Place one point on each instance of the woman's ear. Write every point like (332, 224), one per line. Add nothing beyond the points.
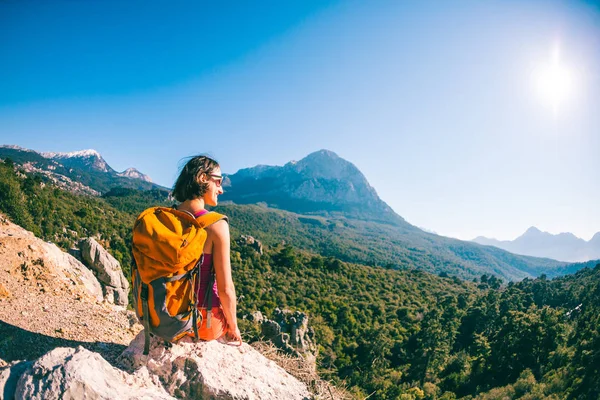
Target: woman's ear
(202, 178)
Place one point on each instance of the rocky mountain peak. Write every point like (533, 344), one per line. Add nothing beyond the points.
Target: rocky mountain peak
(326, 164)
(532, 231)
(134, 174)
(81, 159)
(568, 236)
(320, 183)
(15, 147)
(533, 234)
(322, 156)
(83, 171)
(563, 246)
(77, 154)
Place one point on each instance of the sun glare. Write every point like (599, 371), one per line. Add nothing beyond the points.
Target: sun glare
(554, 82)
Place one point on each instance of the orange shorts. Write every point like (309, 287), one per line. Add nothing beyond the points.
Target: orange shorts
(218, 325)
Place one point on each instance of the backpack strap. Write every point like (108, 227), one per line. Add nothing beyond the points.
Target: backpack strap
(208, 296)
(196, 277)
(205, 220)
(146, 311)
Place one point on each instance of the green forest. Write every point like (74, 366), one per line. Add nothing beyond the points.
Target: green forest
(386, 328)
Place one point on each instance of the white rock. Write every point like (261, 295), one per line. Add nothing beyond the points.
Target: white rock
(69, 268)
(108, 270)
(212, 370)
(55, 262)
(67, 373)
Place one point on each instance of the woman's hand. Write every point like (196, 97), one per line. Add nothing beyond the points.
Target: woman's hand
(234, 335)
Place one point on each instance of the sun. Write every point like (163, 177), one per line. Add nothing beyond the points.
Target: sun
(555, 82)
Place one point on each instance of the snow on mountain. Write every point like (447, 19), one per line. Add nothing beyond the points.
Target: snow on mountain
(80, 154)
(81, 159)
(85, 166)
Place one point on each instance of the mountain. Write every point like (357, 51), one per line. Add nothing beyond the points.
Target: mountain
(83, 172)
(564, 246)
(84, 159)
(335, 212)
(322, 183)
(134, 174)
(595, 240)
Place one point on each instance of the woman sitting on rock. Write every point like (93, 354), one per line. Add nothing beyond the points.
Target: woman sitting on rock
(198, 186)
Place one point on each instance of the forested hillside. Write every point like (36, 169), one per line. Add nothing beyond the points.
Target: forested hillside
(417, 335)
(400, 247)
(385, 332)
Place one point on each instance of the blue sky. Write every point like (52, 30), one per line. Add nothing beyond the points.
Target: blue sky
(438, 103)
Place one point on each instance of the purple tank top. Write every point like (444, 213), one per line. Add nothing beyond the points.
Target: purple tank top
(205, 269)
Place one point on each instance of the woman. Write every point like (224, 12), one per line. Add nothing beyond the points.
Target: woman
(198, 186)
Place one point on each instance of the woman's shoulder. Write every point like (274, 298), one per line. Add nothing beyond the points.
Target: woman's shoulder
(219, 228)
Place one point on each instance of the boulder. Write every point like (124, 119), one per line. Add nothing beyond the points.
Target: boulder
(291, 333)
(256, 316)
(69, 373)
(70, 269)
(42, 263)
(247, 240)
(212, 370)
(9, 376)
(107, 269)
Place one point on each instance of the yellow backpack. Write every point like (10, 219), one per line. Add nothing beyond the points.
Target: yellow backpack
(167, 248)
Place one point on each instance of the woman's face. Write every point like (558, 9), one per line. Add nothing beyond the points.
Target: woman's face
(214, 180)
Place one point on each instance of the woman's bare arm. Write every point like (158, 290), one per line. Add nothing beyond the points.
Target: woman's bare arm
(225, 286)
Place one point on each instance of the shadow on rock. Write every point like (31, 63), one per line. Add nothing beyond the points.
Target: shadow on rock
(19, 344)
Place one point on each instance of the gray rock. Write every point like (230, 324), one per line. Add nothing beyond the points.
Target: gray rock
(270, 329)
(250, 241)
(70, 269)
(9, 376)
(67, 373)
(116, 296)
(107, 269)
(291, 333)
(212, 370)
(256, 317)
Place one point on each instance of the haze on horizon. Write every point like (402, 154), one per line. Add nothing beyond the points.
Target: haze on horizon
(470, 118)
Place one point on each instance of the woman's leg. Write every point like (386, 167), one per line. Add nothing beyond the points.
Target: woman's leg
(218, 325)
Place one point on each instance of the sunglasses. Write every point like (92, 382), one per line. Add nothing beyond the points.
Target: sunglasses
(218, 179)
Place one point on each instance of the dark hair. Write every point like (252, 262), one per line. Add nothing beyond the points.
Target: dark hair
(188, 185)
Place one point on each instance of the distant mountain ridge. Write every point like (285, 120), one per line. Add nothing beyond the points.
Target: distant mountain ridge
(322, 183)
(134, 174)
(84, 172)
(327, 204)
(563, 246)
(83, 159)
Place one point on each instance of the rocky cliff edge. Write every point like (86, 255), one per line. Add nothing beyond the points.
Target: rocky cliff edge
(52, 313)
